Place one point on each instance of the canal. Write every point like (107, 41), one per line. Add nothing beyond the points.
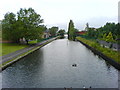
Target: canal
(51, 67)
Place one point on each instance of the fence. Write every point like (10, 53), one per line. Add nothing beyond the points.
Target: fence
(87, 37)
(112, 45)
(109, 44)
(39, 40)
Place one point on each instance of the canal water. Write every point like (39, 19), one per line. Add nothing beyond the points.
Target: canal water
(51, 67)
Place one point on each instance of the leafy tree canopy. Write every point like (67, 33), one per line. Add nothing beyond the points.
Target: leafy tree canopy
(71, 31)
(61, 32)
(53, 31)
(27, 24)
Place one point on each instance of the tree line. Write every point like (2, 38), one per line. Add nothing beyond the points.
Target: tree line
(72, 31)
(25, 24)
(110, 32)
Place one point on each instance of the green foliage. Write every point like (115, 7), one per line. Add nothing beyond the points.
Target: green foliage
(0, 31)
(87, 26)
(61, 32)
(109, 37)
(104, 36)
(53, 31)
(91, 32)
(30, 21)
(11, 47)
(40, 30)
(26, 24)
(106, 51)
(102, 32)
(71, 31)
(9, 26)
(118, 32)
(32, 42)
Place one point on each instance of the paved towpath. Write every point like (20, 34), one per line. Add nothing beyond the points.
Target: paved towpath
(13, 55)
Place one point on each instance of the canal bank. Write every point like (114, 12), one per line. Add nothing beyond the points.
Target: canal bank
(51, 67)
(8, 60)
(108, 59)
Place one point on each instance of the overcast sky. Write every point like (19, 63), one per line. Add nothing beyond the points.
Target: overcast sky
(59, 12)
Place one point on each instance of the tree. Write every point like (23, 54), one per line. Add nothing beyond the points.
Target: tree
(25, 25)
(41, 29)
(108, 27)
(71, 31)
(104, 36)
(61, 33)
(91, 32)
(9, 26)
(53, 31)
(118, 34)
(118, 30)
(29, 23)
(109, 37)
(87, 27)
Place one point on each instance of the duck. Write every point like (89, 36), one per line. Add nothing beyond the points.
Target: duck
(74, 65)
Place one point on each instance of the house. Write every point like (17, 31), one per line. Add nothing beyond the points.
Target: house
(46, 34)
(81, 32)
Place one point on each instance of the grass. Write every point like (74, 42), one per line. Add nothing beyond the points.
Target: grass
(22, 55)
(0, 35)
(106, 51)
(0, 49)
(6, 48)
(32, 42)
(10, 47)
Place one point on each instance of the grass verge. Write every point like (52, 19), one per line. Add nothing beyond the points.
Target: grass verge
(22, 55)
(10, 47)
(106, 51)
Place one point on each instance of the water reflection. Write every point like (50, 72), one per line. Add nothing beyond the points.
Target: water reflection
(108, 65)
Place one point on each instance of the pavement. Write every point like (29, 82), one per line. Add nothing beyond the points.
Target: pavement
(13, 55)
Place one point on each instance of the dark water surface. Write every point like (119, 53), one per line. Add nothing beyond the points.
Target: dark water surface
(51, 67)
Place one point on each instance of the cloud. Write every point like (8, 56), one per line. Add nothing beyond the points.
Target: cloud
(56, 12)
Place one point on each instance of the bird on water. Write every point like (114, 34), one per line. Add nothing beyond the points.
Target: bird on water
(74, 65)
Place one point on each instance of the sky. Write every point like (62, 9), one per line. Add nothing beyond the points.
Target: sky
(59, 12)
